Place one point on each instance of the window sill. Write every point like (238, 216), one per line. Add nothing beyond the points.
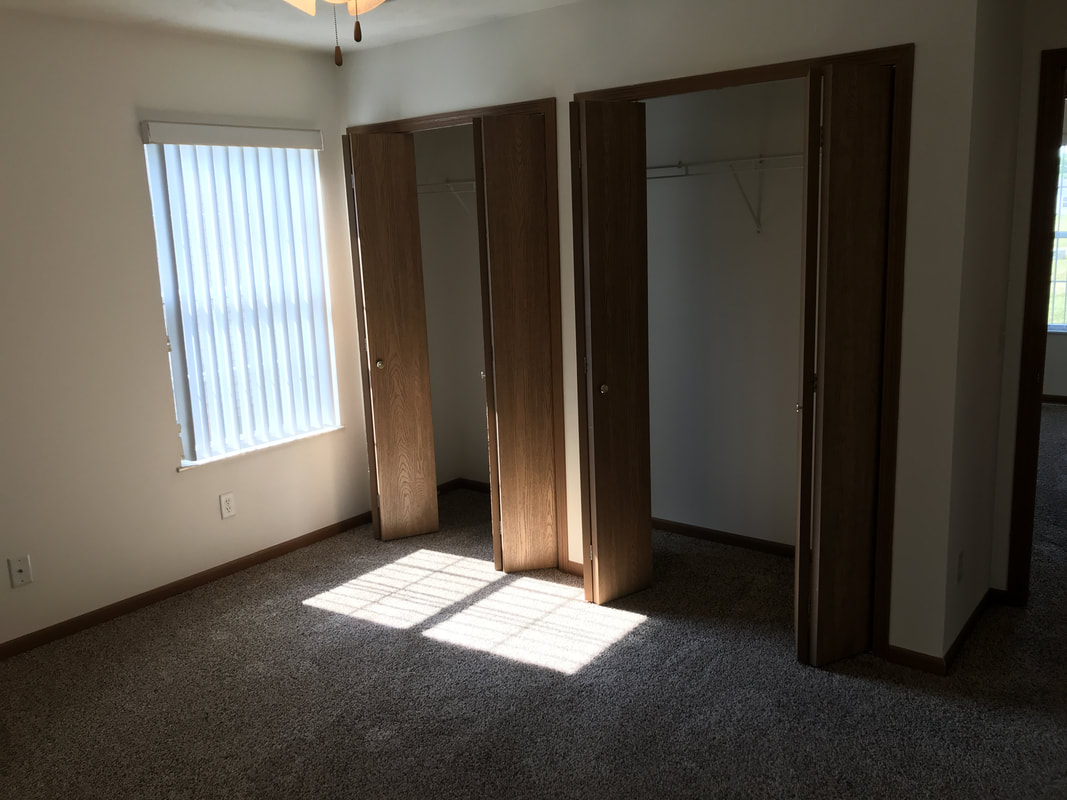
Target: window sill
(1061, 331)
(188, 465)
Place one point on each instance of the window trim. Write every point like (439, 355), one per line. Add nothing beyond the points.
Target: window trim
(203, 134)
(185, 466)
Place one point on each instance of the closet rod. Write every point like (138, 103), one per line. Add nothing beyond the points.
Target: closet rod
(452, 187)
(725, 166)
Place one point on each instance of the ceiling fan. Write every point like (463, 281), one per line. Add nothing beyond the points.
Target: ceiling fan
(355, 8)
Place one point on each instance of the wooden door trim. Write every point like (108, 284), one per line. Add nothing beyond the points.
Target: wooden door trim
(547, 107)
(902, 59)
(556, 322)
(784, 70)
(361, 326)
(580, 348)
(1048, 139)
(451, 119)
(900, 155)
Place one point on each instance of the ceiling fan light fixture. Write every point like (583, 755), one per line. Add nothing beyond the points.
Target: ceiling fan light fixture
(307, 6)
(355, 7)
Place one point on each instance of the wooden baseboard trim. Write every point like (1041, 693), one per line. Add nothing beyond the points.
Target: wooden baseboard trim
(919, 661)
(117, 609)
(1006, 597)
(722, 537)
(941, 666)
(463, 483)
(999, 596)
(1054, 398)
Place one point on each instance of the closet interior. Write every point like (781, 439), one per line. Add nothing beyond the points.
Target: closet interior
(725, 197)
(448, 223)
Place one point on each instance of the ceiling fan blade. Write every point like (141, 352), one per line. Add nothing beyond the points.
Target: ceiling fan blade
(307, 6)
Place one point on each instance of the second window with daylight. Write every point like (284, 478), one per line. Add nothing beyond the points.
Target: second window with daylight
(242, 267)
(1057, 298)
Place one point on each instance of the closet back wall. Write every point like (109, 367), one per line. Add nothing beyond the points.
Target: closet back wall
(452, 282)
(724, 312)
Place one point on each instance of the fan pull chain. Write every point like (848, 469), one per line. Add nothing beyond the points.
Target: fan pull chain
(357, 34)
(338, 59)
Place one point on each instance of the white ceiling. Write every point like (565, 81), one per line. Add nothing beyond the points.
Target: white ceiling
(277, 21)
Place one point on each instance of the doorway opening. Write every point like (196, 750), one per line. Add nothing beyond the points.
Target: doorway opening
(855, 134)
(448, 226)
(725, 298)
(454, 224)
(1043, 361)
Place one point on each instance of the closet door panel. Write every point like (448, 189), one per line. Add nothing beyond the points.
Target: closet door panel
(857, 115)
(396, 357)
(514, 180)
(615, 252)
(487, 341)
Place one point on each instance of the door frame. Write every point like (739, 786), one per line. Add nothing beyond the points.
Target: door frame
(1048, 140)
(902, 59)
(449, 119)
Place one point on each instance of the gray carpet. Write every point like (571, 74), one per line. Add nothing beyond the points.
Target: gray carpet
(240, 689)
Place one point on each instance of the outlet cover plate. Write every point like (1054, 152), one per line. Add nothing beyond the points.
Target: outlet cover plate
(20, 570)
(227, 505)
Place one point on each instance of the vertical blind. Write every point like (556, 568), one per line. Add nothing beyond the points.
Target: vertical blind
(245, 292)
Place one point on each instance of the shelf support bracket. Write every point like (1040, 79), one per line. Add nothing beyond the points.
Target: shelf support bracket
(754, 210)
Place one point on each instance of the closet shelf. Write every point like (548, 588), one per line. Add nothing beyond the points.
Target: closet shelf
(683, 169)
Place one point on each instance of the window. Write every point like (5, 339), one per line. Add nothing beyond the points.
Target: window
(1057, 298)
(245, 287)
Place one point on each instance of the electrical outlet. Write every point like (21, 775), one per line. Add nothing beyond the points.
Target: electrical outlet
(21, 571)
(959, 567)
(227, 505)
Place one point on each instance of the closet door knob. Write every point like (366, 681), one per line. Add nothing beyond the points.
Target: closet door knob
(379, 364)
(603, 388)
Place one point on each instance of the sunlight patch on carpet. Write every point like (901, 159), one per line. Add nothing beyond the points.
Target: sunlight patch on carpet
(538, 622)
(410, 590)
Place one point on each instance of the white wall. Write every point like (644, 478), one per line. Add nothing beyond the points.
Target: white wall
(986, 256)
(602, 43)
(724, 312)
(1044, 28)
(88, 485)
(451, 276)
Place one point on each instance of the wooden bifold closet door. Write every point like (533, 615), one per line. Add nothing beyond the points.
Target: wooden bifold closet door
(521, 387)
(513, 218)
(843, 365)
(615, 250)
(392, 320)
